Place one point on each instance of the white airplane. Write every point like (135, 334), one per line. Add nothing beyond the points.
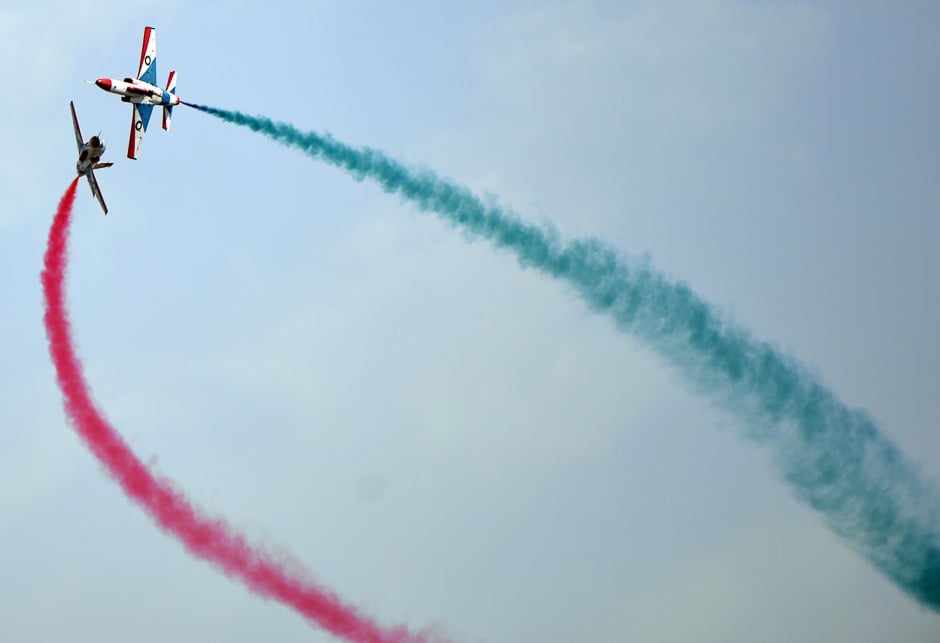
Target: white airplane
(143, 93)
(89, 158)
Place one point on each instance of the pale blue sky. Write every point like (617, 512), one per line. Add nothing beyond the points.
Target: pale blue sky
(443, 438)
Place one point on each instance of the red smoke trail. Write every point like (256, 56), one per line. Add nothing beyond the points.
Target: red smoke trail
(210, 539)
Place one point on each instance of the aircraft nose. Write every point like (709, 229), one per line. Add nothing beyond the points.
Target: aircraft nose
(104, 83)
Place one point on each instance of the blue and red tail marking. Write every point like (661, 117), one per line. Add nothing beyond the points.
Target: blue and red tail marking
(168, 109)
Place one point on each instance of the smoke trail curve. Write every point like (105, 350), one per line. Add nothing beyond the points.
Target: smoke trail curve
(211, 539)
(834, 458)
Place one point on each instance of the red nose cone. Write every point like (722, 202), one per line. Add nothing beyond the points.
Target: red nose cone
(104, 83)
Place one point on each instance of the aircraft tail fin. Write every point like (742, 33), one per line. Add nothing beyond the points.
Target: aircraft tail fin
(100, 166)
(168, 109)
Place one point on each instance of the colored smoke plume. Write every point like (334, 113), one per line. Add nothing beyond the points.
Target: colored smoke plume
(834, 458)
(210, 539)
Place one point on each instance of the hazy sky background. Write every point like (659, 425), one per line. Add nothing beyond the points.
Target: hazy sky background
(441, 437)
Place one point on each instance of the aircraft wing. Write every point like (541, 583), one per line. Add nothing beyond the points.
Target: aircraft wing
(140, 117)
(147, 71)
(95, 191)
(78, 133)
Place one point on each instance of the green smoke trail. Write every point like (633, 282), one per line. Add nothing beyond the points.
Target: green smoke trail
(834, 457)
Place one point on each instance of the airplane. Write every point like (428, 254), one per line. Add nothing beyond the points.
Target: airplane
(142, 92)
(89, 158)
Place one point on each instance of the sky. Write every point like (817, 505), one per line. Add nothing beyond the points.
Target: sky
(443, 438)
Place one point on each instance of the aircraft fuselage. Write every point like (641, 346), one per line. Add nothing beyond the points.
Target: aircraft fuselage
(133, 90)
(90, 154)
